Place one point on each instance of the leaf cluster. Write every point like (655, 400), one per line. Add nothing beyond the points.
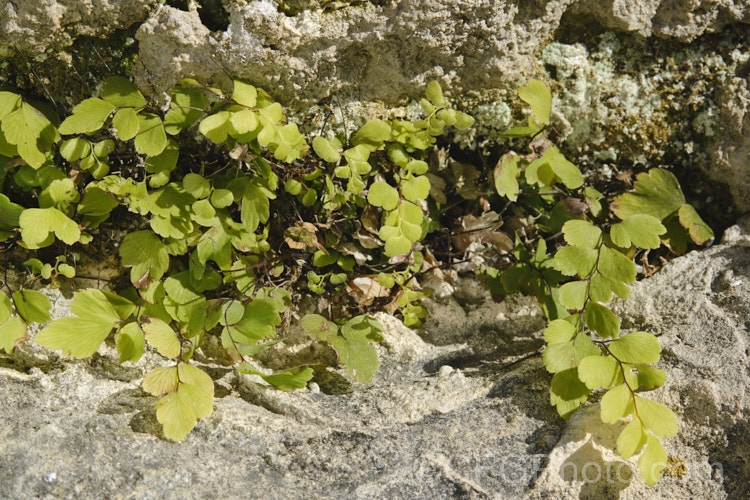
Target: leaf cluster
(206, 250)
(586, 349)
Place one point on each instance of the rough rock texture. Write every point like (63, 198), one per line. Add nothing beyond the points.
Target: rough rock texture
(682, 19)
(635, 95)
(636, 83)
(461, 411)
(33, 27)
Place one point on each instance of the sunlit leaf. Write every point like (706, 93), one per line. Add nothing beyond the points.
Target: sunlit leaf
(599, 371)
(652, 461)
(537, 95)
(130, 342)
(146, 254)
(581, 233)
(631, 439)
(88, 116)
(656, 417)
(81, 336)
(11, 331)
(32, 306)
(616, 404)
(122, 92)
(161, 336)
(601, 320)
(637, 347)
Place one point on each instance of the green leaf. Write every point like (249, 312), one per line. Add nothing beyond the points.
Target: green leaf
(289, 380)
(198, 400)
(5, 307)
(637, 347)
(146, 254)
(151, 139)
(66, 270)
(88, 116)
(32, 306)
(161, 380)
(255, 207)
(649, 377)
(161, 336)
(383, 195)
(656, 193)
(81, 336)
(602, 287)
(244, 94)
(573, 261)
(122, 93)
(631, 439)
(96, 202)
(537, 95)
(221, 198)
(31, 132)
(615, 265)
(641, 230)
(506, 174)
(415, 188)
(652, 461)
(37, 224)
(599, 371)
(10, 212)
(9, 102)
(187, 105)
(564, 170)
(126, 123)
(362, 329)
(567, 392)
(582, 233)
(559, 357)
(360, 358)
(325, 149)
(463, 121)
(601, 320)
(559, 331)
(74, 149)
(573, 295)
(656, 417)
(242, 122)
(435, 94)
(372, 134)
(417, 167)
(318, 326)
(175, 414)
(196, 185)
(259, 321)
(617, 403)
(130, 343)
(194, 376)
(690, 220)
(11, 331)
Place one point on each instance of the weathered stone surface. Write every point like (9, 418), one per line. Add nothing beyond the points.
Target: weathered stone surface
(628, 89)
(461, 411)
(684, 20)
(33, 27)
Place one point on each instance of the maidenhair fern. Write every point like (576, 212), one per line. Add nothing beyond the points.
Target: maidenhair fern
(207, 248)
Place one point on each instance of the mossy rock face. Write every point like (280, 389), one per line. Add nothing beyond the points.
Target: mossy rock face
(72, 74)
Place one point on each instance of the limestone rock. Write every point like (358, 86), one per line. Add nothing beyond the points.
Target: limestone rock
(684, 20)
(33, 27)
